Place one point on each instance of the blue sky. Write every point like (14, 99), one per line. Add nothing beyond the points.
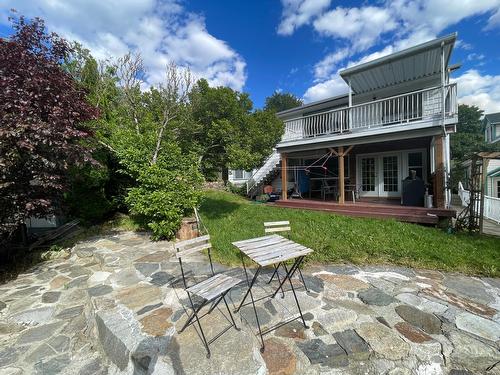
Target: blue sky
(296, 46)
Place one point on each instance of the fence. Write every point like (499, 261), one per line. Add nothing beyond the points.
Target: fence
(491, 204)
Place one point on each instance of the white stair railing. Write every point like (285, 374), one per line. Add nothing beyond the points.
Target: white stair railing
(269, 165)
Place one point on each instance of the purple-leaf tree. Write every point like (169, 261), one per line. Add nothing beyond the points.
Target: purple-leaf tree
(43, 116)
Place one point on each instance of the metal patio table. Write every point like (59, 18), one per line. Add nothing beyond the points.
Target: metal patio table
(269, 251)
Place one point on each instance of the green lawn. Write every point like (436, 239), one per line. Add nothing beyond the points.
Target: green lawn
(341, 239)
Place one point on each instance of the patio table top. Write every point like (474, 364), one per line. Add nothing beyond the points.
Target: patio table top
(271, 249)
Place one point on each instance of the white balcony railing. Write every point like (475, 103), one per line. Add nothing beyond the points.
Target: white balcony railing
(419, 105)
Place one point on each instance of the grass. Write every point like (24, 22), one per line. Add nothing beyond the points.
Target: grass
(341, 239)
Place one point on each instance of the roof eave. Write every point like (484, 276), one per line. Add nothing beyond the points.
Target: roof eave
(448, 39)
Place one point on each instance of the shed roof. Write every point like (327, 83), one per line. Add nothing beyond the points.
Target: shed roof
(493, 118)
(421, 61)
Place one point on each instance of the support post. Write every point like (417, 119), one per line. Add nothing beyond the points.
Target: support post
(341, 175)
(284, 177)
(439, 174)
(484, 176)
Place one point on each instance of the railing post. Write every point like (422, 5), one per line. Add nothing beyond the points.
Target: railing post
(349, 110)
(284, 177)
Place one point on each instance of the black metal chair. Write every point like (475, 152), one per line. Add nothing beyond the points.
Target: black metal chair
(211, 290)
(282, 227)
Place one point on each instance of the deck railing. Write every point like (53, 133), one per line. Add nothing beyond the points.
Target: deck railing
(418, 105)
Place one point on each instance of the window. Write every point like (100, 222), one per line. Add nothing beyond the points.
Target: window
(390, 165)
(238, 174)
(368, 174)
(498, 189)
(416, 163)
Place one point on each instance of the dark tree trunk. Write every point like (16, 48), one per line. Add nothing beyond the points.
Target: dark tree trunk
(225, 175)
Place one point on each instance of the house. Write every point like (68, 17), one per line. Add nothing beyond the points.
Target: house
(491, 123)
(395, 121)
(239, 176)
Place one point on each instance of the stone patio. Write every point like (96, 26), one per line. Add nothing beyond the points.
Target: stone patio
(113, 307)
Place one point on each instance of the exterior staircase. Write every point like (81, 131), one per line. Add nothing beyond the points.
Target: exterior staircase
(263, 173)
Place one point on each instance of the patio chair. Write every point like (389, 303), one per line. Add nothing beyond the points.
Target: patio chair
(327, 189)
(282, 227)
(211, 290)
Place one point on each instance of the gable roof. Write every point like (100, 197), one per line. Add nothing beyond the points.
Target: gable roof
(493, 118)
(420, 61)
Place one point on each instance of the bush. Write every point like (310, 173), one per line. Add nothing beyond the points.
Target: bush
(237, 189)
(166, 192)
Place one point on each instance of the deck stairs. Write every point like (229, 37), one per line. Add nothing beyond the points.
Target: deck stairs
(268, 169)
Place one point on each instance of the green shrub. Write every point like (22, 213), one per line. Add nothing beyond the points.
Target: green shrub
(237, 189)
(166, 192)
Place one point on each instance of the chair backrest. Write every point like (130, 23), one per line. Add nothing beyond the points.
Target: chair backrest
(193, 245)
(277, 226)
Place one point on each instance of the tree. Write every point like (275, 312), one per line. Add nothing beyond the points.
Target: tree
(43, 131)
(468, 139)
(226, 133)
(280, 101)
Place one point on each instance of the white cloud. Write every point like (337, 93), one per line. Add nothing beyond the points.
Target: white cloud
(361, 26)
(297, 13)
(404, 23)
(475, 56)
(493, 21)
(332, 87)
(160, 31)
(480, 90)
(325, 67)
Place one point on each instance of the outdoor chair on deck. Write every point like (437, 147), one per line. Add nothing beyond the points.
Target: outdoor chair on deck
(328, 189)
(211, 290)
(281, 227)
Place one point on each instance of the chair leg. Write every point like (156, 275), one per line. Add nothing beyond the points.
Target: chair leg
(190, 319)
(229, 311)
(202, 335)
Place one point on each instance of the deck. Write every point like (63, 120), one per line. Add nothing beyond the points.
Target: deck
(386, 210)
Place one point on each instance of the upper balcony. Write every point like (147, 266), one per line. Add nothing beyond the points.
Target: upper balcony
(424, 106)
(406, 90)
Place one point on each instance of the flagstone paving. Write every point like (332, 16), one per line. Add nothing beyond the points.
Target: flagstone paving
(116, 304)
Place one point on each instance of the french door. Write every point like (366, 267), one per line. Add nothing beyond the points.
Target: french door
(369, 181)
(389, 181)
(380, 175)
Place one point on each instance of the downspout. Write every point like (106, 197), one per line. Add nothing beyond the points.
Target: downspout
(446, 150)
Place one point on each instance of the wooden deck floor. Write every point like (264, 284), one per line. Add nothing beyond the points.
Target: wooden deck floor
(386, 210)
